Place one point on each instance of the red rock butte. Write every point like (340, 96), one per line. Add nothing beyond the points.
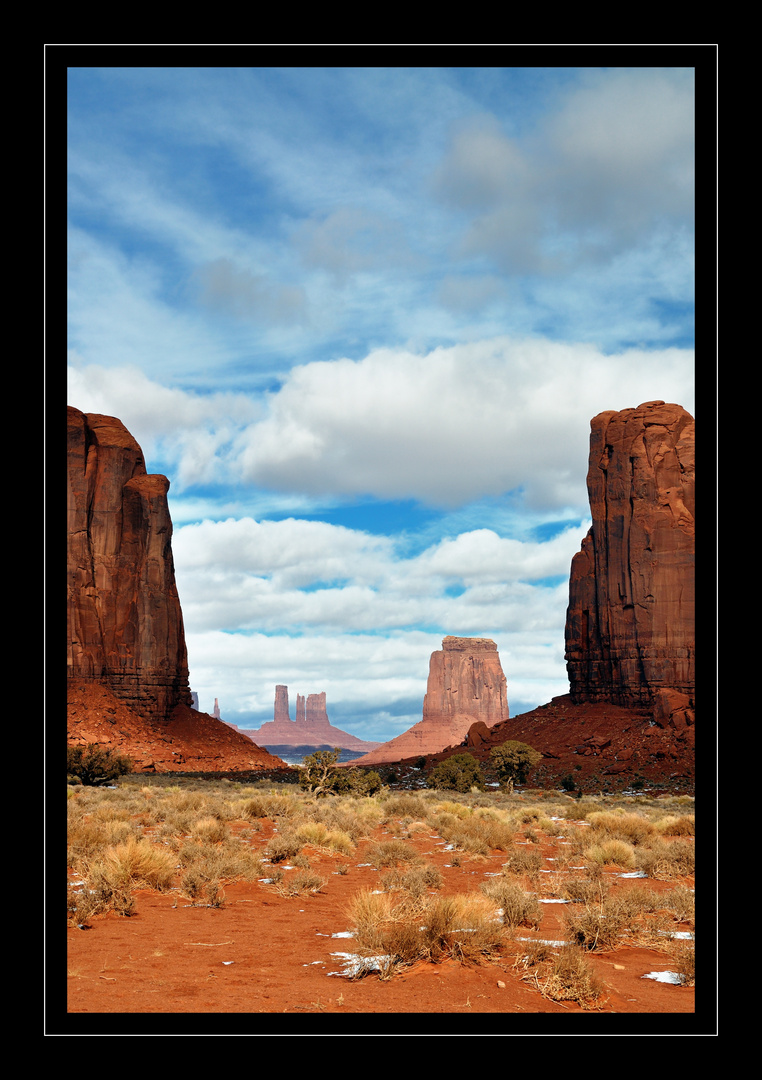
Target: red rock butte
(630, 631)
(311, 727)
(466, 686)
(127, 659)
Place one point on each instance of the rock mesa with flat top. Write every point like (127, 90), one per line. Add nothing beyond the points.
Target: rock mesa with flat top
(466, 684)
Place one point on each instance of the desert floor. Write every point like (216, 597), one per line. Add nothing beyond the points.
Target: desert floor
(263, 952)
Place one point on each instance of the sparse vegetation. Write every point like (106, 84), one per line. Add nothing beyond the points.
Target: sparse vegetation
(194, 839)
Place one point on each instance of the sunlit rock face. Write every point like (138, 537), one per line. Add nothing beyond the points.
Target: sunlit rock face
(125, 621)
(630, 630)
(466, 684)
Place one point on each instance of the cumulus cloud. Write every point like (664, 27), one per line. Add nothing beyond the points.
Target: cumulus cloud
(187, 431)
(302, 603)
(455, 424)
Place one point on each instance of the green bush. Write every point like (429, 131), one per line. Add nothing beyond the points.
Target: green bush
(321, 775)
(94, 765)
(461, 772)
(513, 761)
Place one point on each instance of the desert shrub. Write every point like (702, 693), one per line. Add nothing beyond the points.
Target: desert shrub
(680, 826)
(405, 805)
(667, 859)
(571, 977)
(477, 834)
(229, 861)
(202, 887)
(582, 890)
(513, 762)
(211, 829)
(611, 852)
(302, 883)
(518, 908)
(411, 929)
(414, 879)
(523, 860)
(264, 805)
(319, 835)
(97, 895)
(392, 853)
(683, 961)
(681, 903)
(597, 926)
(282, 846)
(321, 775)
(138, 862)
(632, 828)
(461, 772)
(94, 765)
(355, 781)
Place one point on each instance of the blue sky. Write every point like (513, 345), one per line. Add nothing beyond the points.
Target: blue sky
(362, 318)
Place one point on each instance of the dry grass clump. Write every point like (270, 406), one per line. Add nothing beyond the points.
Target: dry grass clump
(390, 853)
(683, 961)
(416, 878)
(303, 883)
(269, 805)
(611, 853)
(523, 860)
(477, 832)
(282, 846)
(113, 874)
(566, 975)
(516, 907)
(597, 926)
(405, 805)
(399, 932)
(667, 859)
(211, 829)
(684, 825)
(320, 836)
(632, 828)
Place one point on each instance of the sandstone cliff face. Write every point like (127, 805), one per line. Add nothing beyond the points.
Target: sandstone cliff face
(311, 727)
(630, 623)
(466, 685)
(125, 620)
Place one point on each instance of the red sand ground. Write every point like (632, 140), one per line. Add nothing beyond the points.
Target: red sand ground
(262, 953)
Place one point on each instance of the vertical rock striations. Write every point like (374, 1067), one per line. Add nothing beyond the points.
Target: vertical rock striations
(125, 622)
(465, 680)
(466, 685)
(630, 633)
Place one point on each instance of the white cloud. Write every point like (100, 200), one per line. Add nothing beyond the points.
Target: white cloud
(455, 424)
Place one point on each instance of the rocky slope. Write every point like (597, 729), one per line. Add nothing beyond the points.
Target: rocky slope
(466, 686)
(127, 659)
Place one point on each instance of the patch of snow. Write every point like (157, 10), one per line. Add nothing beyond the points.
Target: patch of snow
(358, 965)
(663, 976)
